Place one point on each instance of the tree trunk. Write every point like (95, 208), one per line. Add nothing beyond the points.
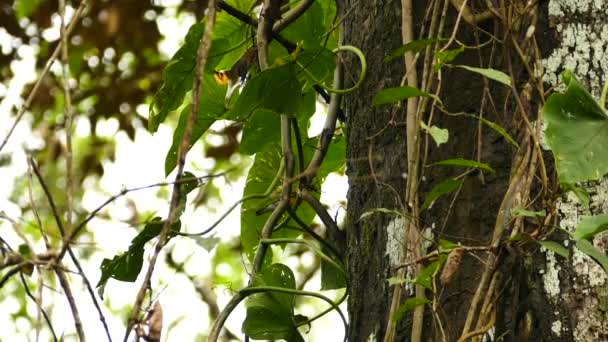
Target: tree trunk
(541, 298)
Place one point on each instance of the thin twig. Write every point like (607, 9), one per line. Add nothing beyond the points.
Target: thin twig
(67, 290)
(201, 60)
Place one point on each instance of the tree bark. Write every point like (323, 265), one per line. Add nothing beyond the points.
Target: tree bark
(542, 298)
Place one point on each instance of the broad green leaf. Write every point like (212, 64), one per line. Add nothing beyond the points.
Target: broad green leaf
(211, 108)
(443, 188)
(588, 248)
(275, 89)
(498, 129)
(555, 247)
(577, 132)
(392, 95)
(440, 135)
(308, 28)
(126, 266)
(589, 226)
(236, 35)
(315, 67)
(446, 56)
(409, 305)
(25, 8)
(270, 314)
(396, 281)
(465, 163)
(262, 128)
(425, 277)
(492, 74)
(413, 47)
(447, 245)
(381, 211)
(580, 193)
(518, 212)
(177, 78)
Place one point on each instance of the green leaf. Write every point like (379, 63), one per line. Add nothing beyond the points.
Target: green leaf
(177, 78)
(235, 36)
(580, 193)
(577, 132)
(315, 67)
(446, 56)
(308, 28)
(408, 305)
(465, 163)
(443, 188)
(517, 212)
(414, 47)
(262, 128)
(211, 108)
(25, 8)
(396, 281)
(207, 243)
(440, 135)
(270, 314)
(589, 226)
(498, 129)
(555, 247)
(589, 249)
(490, 73)
(126, 266)
(447, 245)
(392, 95)
(275, 89)
(425, 277)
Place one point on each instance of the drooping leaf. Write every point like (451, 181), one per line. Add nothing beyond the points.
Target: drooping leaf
(413, 47)
(275, 89)
(518, 212)
(439, 135)
(211, 108)
(425, 277)
(262, 128)
(465, 163)
(126, 266)
(177, 78)
(555, 247)
(446, 56)
(270, 314)
(396, 281)
(577, 132)
(236, 35)
(589, 226)
(409, 305)
(498, 129)
(380, 211)
(392, 95)
(580, 192)
(490, 73)
(443, 188)
(447, 245)
(588, 248)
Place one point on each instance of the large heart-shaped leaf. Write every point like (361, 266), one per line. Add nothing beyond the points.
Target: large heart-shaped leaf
(577, 132)
(270, 314)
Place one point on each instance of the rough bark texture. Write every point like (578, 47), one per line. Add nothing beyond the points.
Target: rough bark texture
(374, 27)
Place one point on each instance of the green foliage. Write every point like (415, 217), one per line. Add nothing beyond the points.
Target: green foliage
(492, 74)
(275, 89)
(519, 212)
(439, 135)
(589, 226)
(25, 8)
(126, 266)
(270, 315)
(577, 132)
(414, 47)
(465, 163)
(555, 247)
(409, 305)
(392, 95)
(588, 248)
(446, 56)
(443, 188)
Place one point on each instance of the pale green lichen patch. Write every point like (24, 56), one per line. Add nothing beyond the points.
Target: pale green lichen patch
(556, 327)
(583, 31)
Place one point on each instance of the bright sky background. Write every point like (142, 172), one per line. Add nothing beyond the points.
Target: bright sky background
(137, 163)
